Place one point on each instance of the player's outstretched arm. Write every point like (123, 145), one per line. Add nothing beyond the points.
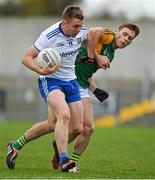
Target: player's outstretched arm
(94, 35)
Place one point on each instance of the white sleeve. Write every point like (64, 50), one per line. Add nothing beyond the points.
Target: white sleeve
(85, 35)
(41, 43)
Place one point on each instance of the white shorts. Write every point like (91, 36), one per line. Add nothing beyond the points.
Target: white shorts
(84, 92)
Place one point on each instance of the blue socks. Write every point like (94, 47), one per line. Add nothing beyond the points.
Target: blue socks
(63, 157)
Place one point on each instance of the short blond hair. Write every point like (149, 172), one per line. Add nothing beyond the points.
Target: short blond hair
(72, 12)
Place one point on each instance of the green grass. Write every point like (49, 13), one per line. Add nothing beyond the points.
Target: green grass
(122, 153)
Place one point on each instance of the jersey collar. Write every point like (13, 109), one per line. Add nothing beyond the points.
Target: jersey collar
(62, 30)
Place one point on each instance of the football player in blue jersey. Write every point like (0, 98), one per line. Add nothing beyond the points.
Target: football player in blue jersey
(58, 85)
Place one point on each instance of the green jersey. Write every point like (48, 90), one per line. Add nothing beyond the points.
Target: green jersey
(85, 70)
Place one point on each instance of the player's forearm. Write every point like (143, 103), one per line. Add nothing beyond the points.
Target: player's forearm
(102, 61)
(92, 85)
(29, 62)
(91, 48)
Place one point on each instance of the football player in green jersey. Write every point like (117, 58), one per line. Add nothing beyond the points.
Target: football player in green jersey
(105, 42)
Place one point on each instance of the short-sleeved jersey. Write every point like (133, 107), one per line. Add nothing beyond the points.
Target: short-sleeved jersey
(67, 47)
(104, 47)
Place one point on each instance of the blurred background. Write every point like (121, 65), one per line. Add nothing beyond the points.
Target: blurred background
(130, 81)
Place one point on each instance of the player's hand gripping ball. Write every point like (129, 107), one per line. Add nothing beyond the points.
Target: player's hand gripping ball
(48, 57)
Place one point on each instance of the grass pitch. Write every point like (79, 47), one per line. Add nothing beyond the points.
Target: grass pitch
(122, 153)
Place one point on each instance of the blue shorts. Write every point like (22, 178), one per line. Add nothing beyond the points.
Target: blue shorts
(69, 88)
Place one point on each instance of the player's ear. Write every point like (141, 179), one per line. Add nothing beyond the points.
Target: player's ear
(65, 22)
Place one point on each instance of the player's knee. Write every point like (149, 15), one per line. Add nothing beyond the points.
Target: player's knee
(49, 126)
(77, 129)
(64, 116)
(50, 129)
(88, 130)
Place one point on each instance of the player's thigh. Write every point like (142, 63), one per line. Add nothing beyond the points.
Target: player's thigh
(88, 115)
(57, 104)
(76, 111)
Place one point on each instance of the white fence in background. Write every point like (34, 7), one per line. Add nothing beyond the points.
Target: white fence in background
(134, 62)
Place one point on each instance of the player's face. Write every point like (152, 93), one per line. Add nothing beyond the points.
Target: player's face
(72, 27)
(124, 37)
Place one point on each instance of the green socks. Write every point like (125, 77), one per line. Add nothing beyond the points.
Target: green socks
(75, 157)
(19, 143)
